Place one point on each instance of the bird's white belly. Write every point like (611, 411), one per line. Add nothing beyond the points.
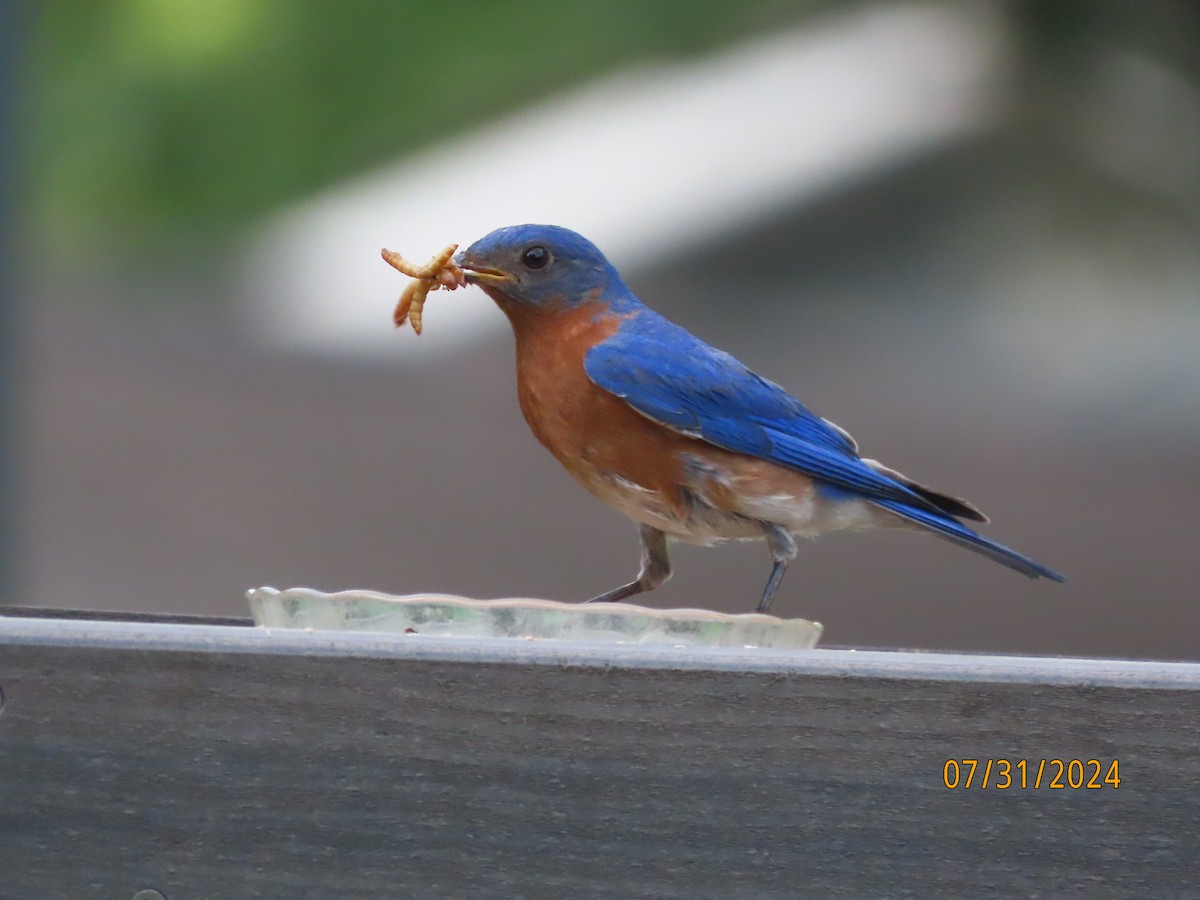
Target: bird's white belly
(718, 504)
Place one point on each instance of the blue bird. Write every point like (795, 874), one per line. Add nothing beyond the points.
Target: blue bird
(678, 436)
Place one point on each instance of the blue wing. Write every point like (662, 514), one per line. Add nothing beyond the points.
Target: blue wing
(674, 378)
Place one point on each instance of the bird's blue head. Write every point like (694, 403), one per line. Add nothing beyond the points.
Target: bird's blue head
(541, 265)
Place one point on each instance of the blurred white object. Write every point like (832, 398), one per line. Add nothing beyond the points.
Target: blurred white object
(645, 163)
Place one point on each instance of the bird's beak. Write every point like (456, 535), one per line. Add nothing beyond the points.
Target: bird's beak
(482, 275)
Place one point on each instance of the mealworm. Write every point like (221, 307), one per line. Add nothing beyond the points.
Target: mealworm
(439, 273)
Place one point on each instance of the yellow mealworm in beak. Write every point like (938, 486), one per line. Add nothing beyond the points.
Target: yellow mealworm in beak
(439, 273)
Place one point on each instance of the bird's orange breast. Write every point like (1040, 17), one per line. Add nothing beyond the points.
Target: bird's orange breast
(595, 435)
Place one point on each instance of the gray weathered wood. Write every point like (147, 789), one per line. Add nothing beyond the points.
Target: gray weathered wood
(214, 761)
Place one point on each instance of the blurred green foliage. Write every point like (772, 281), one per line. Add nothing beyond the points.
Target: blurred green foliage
(150, 123)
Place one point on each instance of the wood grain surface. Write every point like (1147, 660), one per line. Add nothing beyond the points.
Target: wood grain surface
(147, 756)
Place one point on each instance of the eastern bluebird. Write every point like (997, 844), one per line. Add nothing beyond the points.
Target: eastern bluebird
(681, 437)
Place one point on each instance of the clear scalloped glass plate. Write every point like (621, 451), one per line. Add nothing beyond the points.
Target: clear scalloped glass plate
(449, 616)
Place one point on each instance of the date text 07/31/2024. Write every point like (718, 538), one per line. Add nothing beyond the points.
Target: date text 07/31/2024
(1035, 774)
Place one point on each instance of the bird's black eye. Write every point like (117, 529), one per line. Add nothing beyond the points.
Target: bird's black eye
(535, 257)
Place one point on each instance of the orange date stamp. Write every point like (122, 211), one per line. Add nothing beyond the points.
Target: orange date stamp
(1031, 774)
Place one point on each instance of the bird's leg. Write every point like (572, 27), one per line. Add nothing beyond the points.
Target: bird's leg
(656, 568)
(783, 550)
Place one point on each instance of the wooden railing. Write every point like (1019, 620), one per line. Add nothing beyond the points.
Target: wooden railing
(202, 760)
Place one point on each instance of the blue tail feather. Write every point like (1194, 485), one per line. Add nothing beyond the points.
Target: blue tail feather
(960, 534)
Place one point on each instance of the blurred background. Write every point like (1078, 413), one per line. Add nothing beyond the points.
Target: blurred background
(967, 232)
